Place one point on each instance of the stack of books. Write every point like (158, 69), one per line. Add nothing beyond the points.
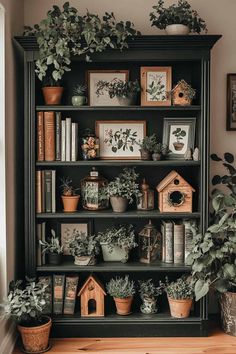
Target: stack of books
(45, 191)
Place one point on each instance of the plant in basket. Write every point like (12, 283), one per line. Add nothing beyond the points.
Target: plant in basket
(69, 197)
(53, 249)
(84, 248)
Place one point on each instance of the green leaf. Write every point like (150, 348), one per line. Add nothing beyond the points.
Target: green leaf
(201, 288)
(215, 157)
(229, 157)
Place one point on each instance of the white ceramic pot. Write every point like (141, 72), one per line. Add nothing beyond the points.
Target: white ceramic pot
(117, 254)
(177, 30)
(84, 260)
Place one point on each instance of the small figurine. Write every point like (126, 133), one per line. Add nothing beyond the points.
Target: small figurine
(188, 155)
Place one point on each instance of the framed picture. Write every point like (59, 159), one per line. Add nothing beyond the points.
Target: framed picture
(156, 81)
(118, 138)
(179, 136)
(69, 228)
(103, 99)
(231, 102)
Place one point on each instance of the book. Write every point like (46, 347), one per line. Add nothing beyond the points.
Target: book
(74, 142)
(58, 293)
(38, 246)
(63, 140)
(58, 136)
(42, 191)
(47, 280)
(70, 295)
(43, 238)
(49, 131)
(48, 190)
(53, 191)
(68, 139)
(38, 191)
(169, 241)
(40, 136)
(190, 228)
(178, 243)
(163, 243)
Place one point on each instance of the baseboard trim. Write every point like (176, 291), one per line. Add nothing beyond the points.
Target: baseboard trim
(9, 341)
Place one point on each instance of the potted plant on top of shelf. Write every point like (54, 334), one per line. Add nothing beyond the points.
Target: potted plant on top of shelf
(122, 289)
(147, 146)
(149, 293)
(84, 248)
(25, 304)
(53, 249)
(79, 98)
(69, 197)
(177, 19)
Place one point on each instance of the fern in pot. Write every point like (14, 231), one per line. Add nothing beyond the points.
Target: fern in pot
(116, 242)
(53, 249)
(84, 248)
(148, 294)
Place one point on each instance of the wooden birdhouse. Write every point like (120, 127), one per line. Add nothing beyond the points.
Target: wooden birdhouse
(175, 194)
(182, 94)
(92, 298)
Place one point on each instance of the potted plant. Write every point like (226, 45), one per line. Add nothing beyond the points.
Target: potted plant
(147, 146)
(116, 242)
(160, 151)
(125, 91)
(69, 197)
(149, 293)
(180, 295)
(213, 257)
(25, 304)
(53, 249)
(52, 91)
(79, 98)
(122, 290)
(84, 248)
(122, 190)
(177, 19)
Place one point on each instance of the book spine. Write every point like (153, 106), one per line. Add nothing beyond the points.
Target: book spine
(43, 191)
(163, 243)
(74, 142)
(58, 293)
(63, 140)
(58, 136)
(38, 192)
(189, 227)
(48, 190)
(68, 139)
(39, 247)
(47, 280)
(169, 240)
(40, 136)
(178, 243)
(49, 126)
(70, 295)
(53, 191)
(43, 235)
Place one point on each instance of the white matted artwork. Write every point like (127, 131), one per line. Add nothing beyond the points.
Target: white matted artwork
(94, 76)
(67, 234)
(118, 138)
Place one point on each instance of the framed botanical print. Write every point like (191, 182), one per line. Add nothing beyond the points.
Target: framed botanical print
(179, 136)
(98, 98)
(69, 228)
(119, 138)
(231, 102)
(156, 82)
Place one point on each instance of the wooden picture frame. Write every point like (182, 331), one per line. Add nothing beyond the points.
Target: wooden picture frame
(231, 102)
(152, 77)
(93, 76)
(176, 140)
(114, 145)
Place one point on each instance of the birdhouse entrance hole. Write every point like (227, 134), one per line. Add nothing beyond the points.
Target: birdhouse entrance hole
(181, 94)
(92, 306)
(176, 198)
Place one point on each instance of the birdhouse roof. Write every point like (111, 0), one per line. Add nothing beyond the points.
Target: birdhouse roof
(96, 281)
(169, 178)
(180, 84)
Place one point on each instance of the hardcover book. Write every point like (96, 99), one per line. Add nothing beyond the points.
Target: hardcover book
(42, 191)
(48, 190)
(38, 191)
(47, 280)
(58, 136)
(63, 140)
(58, 293)
(39, 247)
(190, 227)
(70, 294)
(74, 142)
(178, 243)
(43, 237)
(169, 241)
(49, 127)
(40, 136)
(68, 139)
(53, 191)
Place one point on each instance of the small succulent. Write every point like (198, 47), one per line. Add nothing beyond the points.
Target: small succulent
(84, 245)
(79, 90)
(162, 149)
(121, 287)
(182, 288)
(117, 88)
(53, 245)
(67, 189)
(148, 290)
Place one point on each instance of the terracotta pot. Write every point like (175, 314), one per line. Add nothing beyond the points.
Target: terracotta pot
(178, 146)
(54, 258)
(119, 204)
(36, 339)
(180, 308)
(145, 154)
(70, 203)
(85, 260)
(177, 29)
(52, 95)
(228, 312)
(123, 306)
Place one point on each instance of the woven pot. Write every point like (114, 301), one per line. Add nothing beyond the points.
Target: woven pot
(119, 204)
(228, 313)
(123, 306)
(177, 29)
(180, 308)
(52, 95)
(85, 260)
(70, 203)
(36, 339)
(117, 254)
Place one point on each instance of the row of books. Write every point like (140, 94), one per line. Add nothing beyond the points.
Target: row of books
(177, 240)
(45, 191)
(60, 293)
(57, 139)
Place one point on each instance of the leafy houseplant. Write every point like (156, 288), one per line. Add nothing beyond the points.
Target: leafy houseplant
(179, 135)
(122, 290)
(25, 304)
(53, 249)
(122, 189)
(160, 151)
(84, 248)
(116, 242)
(147, 146)
(125, 91)
(78, 98)
(179, 15)
(148, 293)
(69, 197)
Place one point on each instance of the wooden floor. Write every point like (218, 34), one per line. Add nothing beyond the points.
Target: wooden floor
(216, 343)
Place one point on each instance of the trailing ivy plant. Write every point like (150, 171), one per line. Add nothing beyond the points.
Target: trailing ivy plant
(65, 33)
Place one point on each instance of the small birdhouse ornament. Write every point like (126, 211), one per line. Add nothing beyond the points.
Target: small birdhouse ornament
(175, 194)
(182, 94)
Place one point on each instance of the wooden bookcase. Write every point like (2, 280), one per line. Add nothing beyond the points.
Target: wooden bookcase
(189, 57)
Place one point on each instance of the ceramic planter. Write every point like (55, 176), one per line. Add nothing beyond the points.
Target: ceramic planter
(145, 154)
(54, 258)
(70, 203)
(36, 339)
(127, 101)
(119, 204)
(52, 95)
(85, 260)
(79, 100)
(178, 146)
(177, 29)
(180, 308)
(149, 306)
(156, 157)
(117, 254)
(123, 306)
(228, 312)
